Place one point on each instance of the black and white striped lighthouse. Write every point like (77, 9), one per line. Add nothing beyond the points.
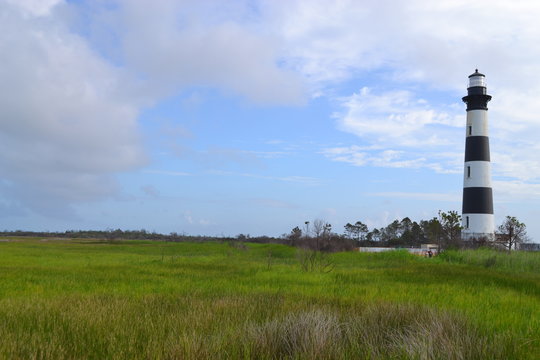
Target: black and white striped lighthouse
(477, 210)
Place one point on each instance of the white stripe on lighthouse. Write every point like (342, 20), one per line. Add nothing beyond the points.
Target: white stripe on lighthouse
(477, 123)
(479, 225)
(477, 174)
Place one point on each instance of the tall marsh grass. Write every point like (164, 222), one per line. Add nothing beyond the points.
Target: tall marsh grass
(189, 328)
(380, 331)
(520, 261)
(141, 300)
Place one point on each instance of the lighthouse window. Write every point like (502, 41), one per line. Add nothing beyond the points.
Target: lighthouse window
(466, 222)
(470, 130)
(468, 171)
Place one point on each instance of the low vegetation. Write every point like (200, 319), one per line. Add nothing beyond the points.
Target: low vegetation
(516, 261)
(66, 299)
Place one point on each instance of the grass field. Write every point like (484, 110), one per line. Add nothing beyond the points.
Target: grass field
(150, 300)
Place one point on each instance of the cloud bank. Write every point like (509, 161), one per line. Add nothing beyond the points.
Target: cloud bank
(66, 124)
(76, 76)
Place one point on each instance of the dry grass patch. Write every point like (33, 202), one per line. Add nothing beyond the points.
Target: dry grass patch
(381, 331)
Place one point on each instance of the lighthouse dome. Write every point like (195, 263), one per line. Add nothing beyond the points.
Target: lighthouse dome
(477, 79)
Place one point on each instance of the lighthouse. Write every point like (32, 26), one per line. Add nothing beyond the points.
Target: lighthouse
(477, 211)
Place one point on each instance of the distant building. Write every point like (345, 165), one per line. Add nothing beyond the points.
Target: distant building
(528, 247)
(423, 251)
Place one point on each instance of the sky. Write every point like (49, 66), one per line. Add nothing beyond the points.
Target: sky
(254, 116)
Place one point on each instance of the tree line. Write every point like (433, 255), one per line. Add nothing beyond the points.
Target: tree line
(118, 234)
(443, 230)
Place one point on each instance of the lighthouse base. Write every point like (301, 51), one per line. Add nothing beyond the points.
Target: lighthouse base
(478, 226)
(469, 236)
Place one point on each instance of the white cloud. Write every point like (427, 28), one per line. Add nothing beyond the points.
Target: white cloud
(515, 190)
(69, 117)
(318, 37)
(65, 123)
(516, 160)
(355, 155)
(398, 130)
(172, 45)
(188, 217)
(394, 118)
(431, 42)
(191, 220)
(35, 7)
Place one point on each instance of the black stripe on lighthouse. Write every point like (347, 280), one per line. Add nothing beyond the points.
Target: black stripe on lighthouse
(477, 148)
(477, 200)
(476, 101)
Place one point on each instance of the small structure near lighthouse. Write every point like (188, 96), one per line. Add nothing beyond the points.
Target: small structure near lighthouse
(477, 211)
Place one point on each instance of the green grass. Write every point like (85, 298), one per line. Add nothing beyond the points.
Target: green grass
(139, 300)
(515, 261)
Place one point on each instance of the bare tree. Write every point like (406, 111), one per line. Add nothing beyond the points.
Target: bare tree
(318, 227)
(321, 232)
(511, 233)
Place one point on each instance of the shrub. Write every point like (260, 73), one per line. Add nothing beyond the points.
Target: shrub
(311, 260)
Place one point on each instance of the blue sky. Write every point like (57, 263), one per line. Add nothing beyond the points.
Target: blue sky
(213, 117)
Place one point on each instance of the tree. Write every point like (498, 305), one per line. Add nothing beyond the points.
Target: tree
(361, 231)
(412, 233)
(374, 235)
(358, 231)
(391, 233)
(318, 227)
(432, 230)
(327, 230)
(512, 232)
(321, 231)
(450, 229)
(349, 230)
(295, 236)
(405, 225)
